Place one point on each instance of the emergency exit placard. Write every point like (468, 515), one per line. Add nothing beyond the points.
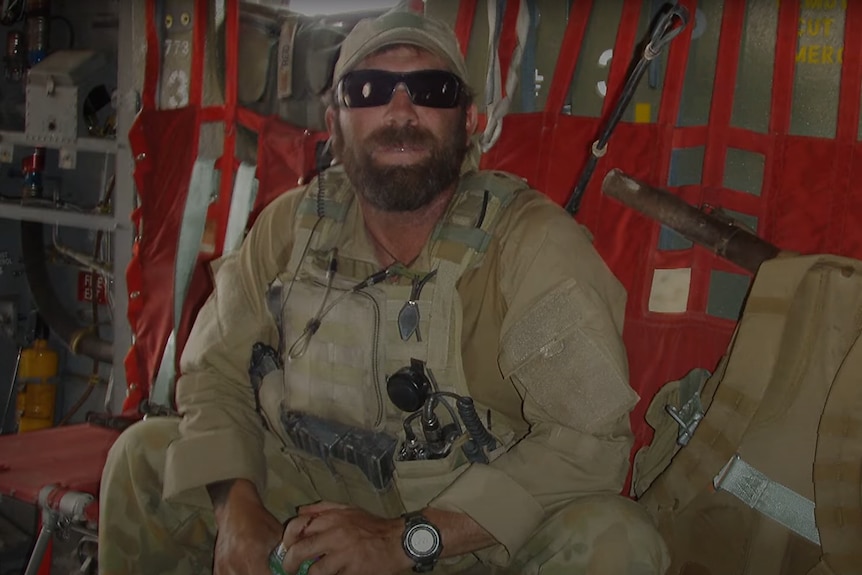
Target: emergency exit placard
(87, 289)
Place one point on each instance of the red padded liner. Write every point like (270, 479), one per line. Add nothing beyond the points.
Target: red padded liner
(69, 458)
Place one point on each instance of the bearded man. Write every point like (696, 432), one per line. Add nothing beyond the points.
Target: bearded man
(437, 378)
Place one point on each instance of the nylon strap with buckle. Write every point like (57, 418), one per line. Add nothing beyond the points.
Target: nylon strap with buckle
(768, 497)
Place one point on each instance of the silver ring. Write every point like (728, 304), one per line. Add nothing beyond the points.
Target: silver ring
(280, 552)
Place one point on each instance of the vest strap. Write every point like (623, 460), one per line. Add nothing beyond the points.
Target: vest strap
(769, 497)
(241, 204)
(202, 189)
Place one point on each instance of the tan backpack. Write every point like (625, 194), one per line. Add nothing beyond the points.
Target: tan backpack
(770, 479)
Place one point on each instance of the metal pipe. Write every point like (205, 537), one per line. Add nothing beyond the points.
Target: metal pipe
(12, 387)
(725, 239)
(45, 535)
(79, 339)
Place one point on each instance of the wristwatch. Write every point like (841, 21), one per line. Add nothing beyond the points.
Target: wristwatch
(421, 542)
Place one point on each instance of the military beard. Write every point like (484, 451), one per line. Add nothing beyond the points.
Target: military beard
(403, 188)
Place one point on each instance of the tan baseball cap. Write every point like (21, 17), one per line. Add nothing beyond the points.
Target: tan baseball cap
(399, 27)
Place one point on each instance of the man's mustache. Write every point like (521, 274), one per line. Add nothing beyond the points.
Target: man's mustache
(401, 136)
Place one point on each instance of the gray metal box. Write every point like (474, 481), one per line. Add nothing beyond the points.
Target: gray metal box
(56, 89)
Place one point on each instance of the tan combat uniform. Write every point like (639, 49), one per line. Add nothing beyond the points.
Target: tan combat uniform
(535, 341)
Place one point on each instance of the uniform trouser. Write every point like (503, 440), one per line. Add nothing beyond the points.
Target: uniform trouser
(140, 532)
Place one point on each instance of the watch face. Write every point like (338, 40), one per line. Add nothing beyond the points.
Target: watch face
(422, 541)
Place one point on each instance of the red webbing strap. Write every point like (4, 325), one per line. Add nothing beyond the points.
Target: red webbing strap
(677, 63)
(674, 80)
(212, 114)
(231, 56)
(715, 155)
(624, 45)
(668, 138)
(851, 76)
(198, 49)
(785, 67)
(570, 49)
(249, 119)
(228, 162)
(151, 64)
(464, 24)
(847, 134)
(721, 108)
(782, 97)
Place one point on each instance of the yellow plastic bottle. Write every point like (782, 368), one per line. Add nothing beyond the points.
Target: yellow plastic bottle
(37, 386)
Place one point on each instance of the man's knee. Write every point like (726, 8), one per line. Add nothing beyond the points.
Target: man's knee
(136, 523)
(599, 534)
(138, 454)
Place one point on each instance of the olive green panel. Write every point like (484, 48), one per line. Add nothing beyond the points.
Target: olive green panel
(819, 55)
(176, 30)
(550, 27)
(686, 167)
(591, 72)
(477, 55)
(669, 240)
(743, 171)
(553, 19)
(541, 55)
(589, 85)
(699, 80)
(477, 52)
(752, 99)
(726, 294)
(214, 89)
(647, 99)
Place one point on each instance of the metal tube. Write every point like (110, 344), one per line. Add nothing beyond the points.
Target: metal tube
(724, 239)
(11, 389)
(45, 535)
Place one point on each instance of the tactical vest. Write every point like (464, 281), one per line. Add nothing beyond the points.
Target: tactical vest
(340, 344)
(770, 479)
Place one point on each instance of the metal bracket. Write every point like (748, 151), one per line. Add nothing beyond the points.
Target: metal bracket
(8, 317)
(68, 159)
(690, 412)
(70, 508)
(7, 151)
(686, 428)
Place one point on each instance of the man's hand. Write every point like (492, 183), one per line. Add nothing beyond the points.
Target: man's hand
(247, 532)
(344, 540)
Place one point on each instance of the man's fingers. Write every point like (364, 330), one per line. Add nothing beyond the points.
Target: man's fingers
(309, 547)
(326, 565)
(320, 507)
(295, 530)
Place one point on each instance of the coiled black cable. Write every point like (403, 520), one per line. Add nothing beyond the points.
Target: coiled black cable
(473, 423)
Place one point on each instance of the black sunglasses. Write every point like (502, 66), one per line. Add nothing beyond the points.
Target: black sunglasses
(370, 88)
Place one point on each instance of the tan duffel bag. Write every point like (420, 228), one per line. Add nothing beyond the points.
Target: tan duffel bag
(770, 479)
